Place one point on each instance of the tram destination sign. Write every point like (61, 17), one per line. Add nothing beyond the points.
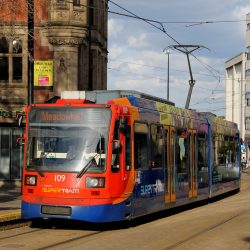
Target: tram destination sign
(60, 116)
(68, 115)
(56, 115)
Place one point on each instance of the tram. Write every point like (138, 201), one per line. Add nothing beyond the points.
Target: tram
(104, 156)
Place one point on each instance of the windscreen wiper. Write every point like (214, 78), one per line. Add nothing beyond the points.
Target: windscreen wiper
(88, 165)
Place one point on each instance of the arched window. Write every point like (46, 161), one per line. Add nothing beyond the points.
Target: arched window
(17, 46)
(11, 60)
(4, 60)
(4, 47)
(17, 59)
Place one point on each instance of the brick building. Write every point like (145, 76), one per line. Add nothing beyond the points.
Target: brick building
(70, 53)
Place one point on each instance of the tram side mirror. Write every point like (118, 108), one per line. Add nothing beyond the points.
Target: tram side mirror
(116, 146)
(123, 123)
(20, 141)
(128, 167)
(19, 119)
(115, 167)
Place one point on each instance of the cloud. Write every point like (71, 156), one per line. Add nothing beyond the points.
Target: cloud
(136, 42)
(116, 51)
(115, 28)
(239, 13)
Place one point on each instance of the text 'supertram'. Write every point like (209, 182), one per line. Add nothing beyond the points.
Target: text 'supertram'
(134, 155)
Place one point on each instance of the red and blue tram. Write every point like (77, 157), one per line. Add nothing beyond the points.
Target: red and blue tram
(132, 156)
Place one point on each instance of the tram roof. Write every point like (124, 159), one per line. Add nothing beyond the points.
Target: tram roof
(102, 96)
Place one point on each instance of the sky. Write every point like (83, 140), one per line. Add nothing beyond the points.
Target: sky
(136, 60)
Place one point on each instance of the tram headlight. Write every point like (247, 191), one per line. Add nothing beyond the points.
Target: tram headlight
(30, 180)
(95, 182)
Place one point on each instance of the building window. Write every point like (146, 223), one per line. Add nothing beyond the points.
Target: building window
(248, 53)
(248, 72)
(248, 98)
(4, 75)
(11, 60)
(91, 13)
(11, 155)
(17, 68)
(61, 1)
(248, 26)
(247, 123)
(76, 2)
(4, 47)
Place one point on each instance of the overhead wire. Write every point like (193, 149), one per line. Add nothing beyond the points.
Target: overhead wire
(163, 68)
(162, 29)
(156, 77)
(210, 68)
(206, 100)
(221, 77)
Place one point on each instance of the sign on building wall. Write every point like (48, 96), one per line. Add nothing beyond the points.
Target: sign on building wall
(43, 73)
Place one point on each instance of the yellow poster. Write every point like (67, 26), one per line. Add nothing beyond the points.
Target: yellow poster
(43, 73)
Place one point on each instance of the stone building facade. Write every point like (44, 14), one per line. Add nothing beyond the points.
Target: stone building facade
(70, 53)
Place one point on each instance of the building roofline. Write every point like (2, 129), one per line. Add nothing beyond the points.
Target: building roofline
(240, 54)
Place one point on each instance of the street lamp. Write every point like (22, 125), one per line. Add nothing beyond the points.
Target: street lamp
(167, 52)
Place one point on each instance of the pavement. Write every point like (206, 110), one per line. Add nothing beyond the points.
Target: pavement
(10, 201)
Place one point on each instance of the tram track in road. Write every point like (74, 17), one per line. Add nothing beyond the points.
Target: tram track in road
(39, 229)
(83, 232)
(204, 231)
(20, 234)
(97, 229)
(61, 243)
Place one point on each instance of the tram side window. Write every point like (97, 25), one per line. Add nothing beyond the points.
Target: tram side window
(181, 152)
(225, 150)
(116, 152)
(215, 151)
(231, 148)
(225, 158)
(128, 148)
(202, 161)
(156, 146)
(202, 154)
(218, 158)
(140, 145)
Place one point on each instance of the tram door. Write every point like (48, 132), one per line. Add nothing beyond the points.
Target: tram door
(169, 169)
(192, 163)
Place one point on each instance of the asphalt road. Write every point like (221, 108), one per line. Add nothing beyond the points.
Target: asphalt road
(224, 224)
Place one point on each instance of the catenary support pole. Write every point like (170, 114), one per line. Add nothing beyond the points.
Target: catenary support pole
(30, 50)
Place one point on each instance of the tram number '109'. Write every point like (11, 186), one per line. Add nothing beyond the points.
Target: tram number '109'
(60, 178)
